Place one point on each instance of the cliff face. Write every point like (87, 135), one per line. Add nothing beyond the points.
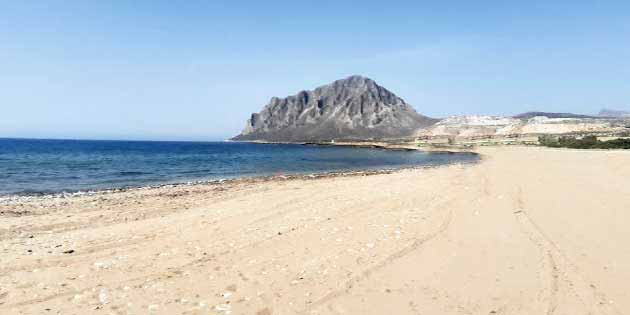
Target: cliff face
(352, 108)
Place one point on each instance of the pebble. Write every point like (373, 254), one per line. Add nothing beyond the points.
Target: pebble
(100, 264)
(103, 297)
(226, 308)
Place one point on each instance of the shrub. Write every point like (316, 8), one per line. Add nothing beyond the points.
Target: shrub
(588, 142)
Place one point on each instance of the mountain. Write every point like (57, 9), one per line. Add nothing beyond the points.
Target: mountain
(354, 108)
(614, 113)
(529, 115)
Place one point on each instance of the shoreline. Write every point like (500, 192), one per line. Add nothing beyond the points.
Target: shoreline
(10, 198)
(255, 178)
(395, 145)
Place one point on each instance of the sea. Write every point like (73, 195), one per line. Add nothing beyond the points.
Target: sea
(35, 167)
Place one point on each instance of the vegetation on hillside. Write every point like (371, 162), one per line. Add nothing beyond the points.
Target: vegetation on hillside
(587, 142)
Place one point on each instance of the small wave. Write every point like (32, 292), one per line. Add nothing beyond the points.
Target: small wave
(131, 173)
(203, 171)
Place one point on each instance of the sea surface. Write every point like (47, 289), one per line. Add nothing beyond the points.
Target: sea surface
(30, 167)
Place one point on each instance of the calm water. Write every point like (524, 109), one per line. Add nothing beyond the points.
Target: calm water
(49, 166)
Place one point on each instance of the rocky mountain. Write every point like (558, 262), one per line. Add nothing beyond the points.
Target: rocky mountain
(351, 108)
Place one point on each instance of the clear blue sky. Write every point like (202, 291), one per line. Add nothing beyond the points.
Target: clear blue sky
(196, 69)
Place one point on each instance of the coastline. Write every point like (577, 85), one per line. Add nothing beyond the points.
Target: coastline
(525, 231)
(304, 246)
(384, 145)
(249, 179)
(8, 199)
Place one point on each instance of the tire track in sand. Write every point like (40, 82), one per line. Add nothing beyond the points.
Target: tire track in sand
(565, 278)
(350, 283)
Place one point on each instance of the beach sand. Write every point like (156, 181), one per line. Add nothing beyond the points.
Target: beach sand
(526, 231)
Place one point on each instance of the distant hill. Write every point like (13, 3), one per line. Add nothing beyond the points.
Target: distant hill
(614, 113)
(478, 126)
(352, 108)
(529, 115)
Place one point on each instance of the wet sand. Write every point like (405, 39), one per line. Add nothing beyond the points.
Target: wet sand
(526, 231)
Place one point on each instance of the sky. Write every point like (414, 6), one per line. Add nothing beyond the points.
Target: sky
(196, 70)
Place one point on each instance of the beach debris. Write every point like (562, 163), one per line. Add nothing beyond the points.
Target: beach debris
(153, 307)
(70, 251)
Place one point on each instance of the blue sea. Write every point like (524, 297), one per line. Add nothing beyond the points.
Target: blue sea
(30, 167)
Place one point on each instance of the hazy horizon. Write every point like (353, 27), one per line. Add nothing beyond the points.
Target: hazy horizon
(154, 70)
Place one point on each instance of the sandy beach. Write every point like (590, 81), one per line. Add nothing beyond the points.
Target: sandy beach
(527, 230)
